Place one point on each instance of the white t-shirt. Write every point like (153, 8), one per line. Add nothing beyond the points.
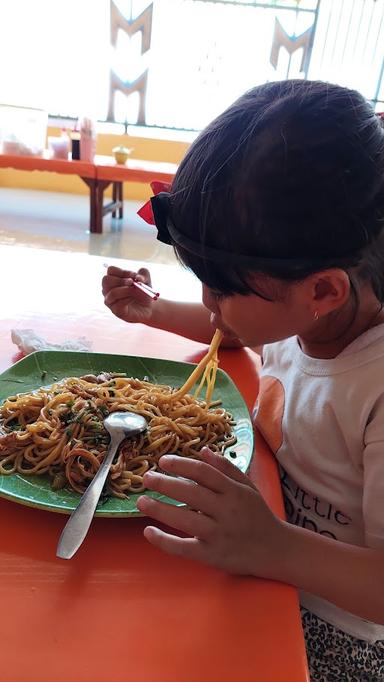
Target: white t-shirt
(324, 420)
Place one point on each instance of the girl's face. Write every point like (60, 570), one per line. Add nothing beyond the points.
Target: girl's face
(256, 321)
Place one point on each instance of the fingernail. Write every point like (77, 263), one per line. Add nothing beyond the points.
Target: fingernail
(167, 458)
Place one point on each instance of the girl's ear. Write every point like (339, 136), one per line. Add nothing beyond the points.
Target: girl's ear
(329, 290)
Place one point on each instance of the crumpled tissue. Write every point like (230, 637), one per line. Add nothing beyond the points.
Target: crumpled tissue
(29, 342)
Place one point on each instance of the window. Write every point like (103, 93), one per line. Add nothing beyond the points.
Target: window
(203, 54)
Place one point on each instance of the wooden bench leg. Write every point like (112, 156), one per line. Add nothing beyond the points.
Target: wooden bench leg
(117, 199)
(96, 198)
(114, 197)
(116, 205)
(120, 198)
(94, 222)
(100, 212)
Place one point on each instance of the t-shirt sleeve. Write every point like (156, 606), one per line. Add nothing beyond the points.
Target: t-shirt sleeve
(373, 466)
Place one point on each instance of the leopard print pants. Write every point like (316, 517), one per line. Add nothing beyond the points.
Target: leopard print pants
(334, 656)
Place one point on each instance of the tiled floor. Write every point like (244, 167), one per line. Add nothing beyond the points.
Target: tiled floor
(59, 222)
(51, 220)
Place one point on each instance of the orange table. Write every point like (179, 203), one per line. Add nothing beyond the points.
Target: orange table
(121, 610)
(97, 176)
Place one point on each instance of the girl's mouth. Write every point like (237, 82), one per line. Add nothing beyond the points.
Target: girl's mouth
(217, 323)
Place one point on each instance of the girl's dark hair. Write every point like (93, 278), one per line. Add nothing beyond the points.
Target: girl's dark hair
(293, 169)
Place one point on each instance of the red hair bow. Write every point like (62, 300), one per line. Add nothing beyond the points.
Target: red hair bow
(145, 212)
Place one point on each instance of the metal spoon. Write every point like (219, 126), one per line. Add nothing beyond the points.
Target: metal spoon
(120, 425)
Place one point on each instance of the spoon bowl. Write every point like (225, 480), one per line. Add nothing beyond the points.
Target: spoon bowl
(129, 423)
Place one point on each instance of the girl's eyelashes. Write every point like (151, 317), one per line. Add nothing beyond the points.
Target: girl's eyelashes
(219, 296)
(264, 297)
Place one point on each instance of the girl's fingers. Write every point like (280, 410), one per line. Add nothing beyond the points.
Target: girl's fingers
(190, 548)
(116, 295)
(182, 490)
(108, 283)
(114, 271)
(180, 518)
(124, 293)
(225, 466)
(200, 472)
(142, 275)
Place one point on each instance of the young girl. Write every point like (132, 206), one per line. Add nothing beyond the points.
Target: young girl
(278, 208)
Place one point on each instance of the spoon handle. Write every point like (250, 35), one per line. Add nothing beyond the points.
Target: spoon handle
(78, 523)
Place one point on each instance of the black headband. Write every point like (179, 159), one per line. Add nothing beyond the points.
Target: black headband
(169, 234)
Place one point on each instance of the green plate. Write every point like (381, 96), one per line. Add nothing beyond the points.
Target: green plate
(45, 367)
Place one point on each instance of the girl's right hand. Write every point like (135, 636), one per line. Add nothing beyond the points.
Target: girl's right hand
(124, 299)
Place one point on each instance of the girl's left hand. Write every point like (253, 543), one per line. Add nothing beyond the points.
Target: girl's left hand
(227, 522)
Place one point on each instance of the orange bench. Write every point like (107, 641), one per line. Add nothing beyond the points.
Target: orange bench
(97, 176)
